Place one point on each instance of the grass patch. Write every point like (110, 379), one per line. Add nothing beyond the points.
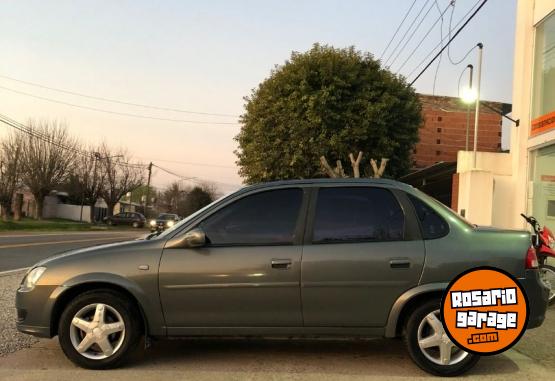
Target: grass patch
(51, 224)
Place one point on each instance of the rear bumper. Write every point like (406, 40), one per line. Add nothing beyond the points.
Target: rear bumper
(538, 295)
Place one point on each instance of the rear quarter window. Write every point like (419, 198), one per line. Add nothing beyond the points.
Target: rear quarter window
(432, 225)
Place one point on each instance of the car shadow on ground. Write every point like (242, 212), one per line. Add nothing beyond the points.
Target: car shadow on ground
(277, 356)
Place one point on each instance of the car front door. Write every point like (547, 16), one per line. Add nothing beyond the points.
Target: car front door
(363, 251)
(247, 274)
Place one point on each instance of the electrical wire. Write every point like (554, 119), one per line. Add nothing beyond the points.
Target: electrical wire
(448, 42)
(397, 30)
(424, 38)
(441, 42)
(117, 112)
(406, 32)
(412, 35)
(104, 99)
(440, 39)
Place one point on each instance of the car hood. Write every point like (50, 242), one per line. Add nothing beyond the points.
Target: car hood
(91, 250)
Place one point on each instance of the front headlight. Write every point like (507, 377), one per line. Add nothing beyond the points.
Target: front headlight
(31, 279)
(152, 223)
(170, 223)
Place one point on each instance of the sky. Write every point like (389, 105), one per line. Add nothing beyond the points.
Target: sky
(206, 57)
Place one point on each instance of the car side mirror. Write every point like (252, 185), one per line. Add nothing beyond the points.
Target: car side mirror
(193, 238)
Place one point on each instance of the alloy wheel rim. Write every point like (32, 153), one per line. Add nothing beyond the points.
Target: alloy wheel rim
(435, 344)
(97, 331)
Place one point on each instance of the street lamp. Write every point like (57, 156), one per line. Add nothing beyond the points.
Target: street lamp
(468, 96)
(477, 113)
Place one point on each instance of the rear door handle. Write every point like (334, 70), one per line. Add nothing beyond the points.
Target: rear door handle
(283, 264)
(399, 263)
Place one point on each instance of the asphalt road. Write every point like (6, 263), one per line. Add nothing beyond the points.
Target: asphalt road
(19, 250)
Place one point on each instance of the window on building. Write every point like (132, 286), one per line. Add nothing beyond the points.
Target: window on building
(543, 99)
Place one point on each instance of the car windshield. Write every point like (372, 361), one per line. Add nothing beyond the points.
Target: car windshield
(185, 220)
(166, 216)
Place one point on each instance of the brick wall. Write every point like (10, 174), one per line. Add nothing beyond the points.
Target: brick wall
(443, 132)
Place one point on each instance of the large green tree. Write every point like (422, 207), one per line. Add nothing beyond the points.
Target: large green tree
(327, 102)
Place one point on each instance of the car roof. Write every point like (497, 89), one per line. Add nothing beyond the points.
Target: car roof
(330, 181)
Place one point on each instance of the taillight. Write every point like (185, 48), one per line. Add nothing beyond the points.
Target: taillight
(531, 258)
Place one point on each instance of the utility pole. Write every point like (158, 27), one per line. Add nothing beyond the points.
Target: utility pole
(148, 188)
(477, 114)
(471, 69)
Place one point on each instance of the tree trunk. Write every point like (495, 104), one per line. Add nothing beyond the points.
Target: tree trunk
(5, 211)
(39, 205)
(92, 216)
(110, 211)
(18, 204)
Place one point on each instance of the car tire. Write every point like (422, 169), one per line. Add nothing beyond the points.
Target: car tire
(116, 311)
(548, 272)
(110, 222)
(424, 323)
(136, 225)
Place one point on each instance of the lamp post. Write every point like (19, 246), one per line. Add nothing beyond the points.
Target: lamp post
(468, 97)
(477, 113)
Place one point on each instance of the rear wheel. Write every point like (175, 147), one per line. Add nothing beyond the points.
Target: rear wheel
(99, 329)
(430, 347)
(547, 275)
(135, 224)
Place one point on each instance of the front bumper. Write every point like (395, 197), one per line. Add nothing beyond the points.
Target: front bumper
(538, 295)
(34, 310)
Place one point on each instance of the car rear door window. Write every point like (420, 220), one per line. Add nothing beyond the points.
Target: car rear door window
(432, 224)
(351, 214)
(265, 218)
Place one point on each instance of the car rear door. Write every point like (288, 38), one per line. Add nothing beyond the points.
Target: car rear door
(248, 274)
(362, 251)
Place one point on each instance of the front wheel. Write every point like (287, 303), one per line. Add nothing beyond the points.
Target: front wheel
(99, 329)
(547, 275)
(135, 224)
(430, 347)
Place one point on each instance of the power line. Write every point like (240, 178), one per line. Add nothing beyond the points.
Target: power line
(441, 42)
(194, 179)
(104, 99)
(116, 112)
(406, 32)
(189, 163)
(398, 28)
(440, 39)
(412, 35)
(448, 42)
(424, 38)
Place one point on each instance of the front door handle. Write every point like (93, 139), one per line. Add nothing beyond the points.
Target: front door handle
(282, 264)
(399, 263)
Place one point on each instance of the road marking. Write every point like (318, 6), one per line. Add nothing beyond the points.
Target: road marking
(58, 242)
(9, 272)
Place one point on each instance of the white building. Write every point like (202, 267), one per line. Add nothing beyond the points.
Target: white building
(503, 185)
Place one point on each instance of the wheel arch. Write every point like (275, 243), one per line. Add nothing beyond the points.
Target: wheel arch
(69, 293)
(407, 302)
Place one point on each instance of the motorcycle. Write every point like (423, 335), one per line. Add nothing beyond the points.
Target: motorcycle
(544, 243)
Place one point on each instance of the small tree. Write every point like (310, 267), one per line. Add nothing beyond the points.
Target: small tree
(324, 102)
(10, 155)
(196, 198)
(48, 157)
(120, 176)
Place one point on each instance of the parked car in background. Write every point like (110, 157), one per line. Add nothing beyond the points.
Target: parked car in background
(376, 256)
(137, 220)
(163, 221)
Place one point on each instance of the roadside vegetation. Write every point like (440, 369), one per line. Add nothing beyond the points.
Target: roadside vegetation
(55, 224)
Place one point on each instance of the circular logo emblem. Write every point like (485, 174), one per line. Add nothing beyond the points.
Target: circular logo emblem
(484, 311)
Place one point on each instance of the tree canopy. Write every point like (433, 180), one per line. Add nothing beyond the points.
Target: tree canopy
(327, 102)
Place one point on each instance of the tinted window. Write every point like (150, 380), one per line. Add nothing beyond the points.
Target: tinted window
(357, 214)
(431, 223)
(263, 218)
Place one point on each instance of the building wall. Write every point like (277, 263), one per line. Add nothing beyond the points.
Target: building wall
(443, 132)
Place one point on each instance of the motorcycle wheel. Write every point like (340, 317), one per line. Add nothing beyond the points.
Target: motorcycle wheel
(547, 274)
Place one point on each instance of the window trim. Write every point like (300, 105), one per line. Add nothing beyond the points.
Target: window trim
(409, 232)
(298, 232)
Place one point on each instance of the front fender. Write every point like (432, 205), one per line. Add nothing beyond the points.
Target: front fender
(143, 288)
(406, 297)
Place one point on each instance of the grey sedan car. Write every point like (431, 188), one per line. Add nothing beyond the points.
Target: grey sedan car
(348, 257)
